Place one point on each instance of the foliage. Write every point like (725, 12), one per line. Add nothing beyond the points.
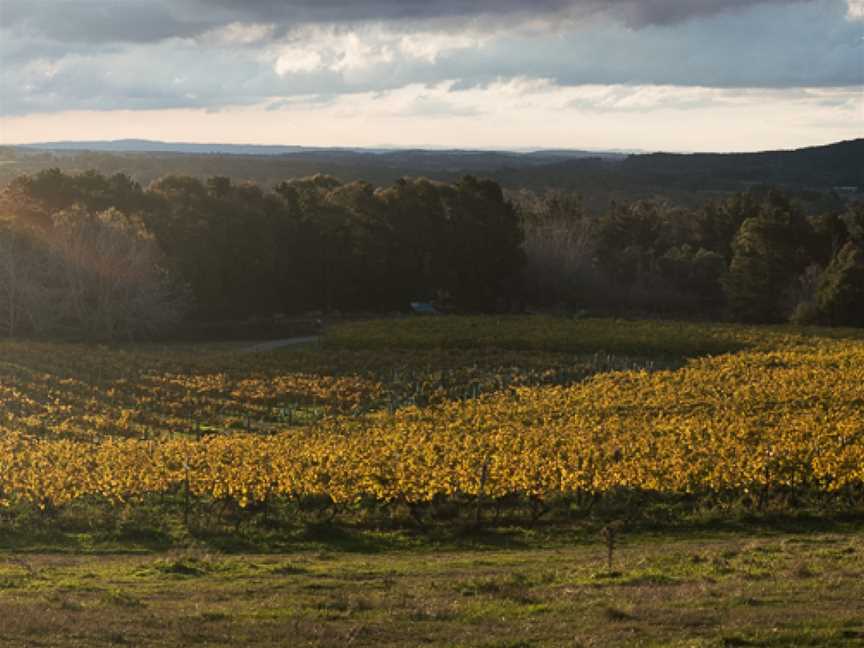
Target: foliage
(312, 243)
(83, 393)
(794, 426)
(544, 333)
(559, 250)
(810, 173)
(768, 254)
(840, 296)
(84, 274)
(317, 244)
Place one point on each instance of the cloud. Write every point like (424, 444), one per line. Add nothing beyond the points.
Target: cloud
(238, 33)
(100, 21)
(133, 21)
(636, 13)
(508, 113)
(101, 55)
(353, 52)
(297, 60)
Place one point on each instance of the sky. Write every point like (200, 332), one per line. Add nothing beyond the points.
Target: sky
(676, 75)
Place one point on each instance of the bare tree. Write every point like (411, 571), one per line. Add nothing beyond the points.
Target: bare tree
(112, 274)
(559, 247)
(91, 275)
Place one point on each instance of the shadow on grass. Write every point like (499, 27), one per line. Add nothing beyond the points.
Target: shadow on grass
(59, 541)
(805, 523)
(651, 338)
(346, 538)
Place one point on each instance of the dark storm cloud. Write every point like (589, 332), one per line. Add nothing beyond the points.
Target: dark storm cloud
(133, 21)
(641, 13)
(97, 21)
(636, 13)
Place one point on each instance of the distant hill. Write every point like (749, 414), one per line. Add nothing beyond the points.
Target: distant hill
(431, 157)
(155, 146)
(599, 176)
(840, 164)
(832, 168)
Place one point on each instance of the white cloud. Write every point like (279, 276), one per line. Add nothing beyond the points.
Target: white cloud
(516, 113)
(429, 46)
(351, 52)
(856, 10)
(345, 52)
(238, 33)
(295, 60)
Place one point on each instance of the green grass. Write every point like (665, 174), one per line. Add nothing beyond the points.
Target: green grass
(716, 590)
(640, 338)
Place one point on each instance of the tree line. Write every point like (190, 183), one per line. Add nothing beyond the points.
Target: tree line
(217, 249)
(98, 256)
(753, 257)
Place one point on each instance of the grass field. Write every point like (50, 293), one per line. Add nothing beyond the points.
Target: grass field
(443, 481)
(774, 589)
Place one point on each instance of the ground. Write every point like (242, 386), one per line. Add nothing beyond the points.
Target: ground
(699, 588)
(161, 571)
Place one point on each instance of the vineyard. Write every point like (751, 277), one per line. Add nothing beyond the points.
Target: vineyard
(463, 423)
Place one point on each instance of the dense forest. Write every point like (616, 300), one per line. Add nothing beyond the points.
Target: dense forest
(817, 177)
(97, 256)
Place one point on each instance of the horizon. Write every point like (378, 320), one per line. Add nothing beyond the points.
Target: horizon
(375, 147)
(81, 145)
(593, 75)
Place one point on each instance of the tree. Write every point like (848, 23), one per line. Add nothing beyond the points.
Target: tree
(24, 264)
(840, 295)
(768, 254)
(110, 277)
(854, 221)
(484, 246)
(625, 238)
(695, 273)
(559, 250)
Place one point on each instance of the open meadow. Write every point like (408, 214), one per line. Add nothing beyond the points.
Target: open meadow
(452, 481)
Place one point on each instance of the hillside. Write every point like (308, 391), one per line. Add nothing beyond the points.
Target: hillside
(818, 168)
(600, 176)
